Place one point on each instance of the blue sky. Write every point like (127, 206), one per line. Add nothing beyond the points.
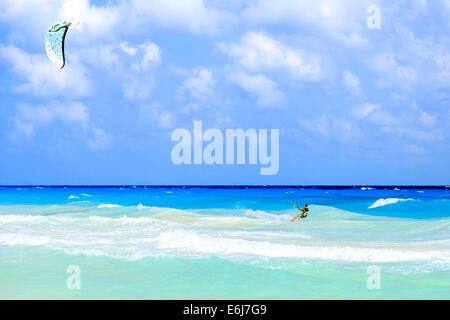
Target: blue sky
(353, 105)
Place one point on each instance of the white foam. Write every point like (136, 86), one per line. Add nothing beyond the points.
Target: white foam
(140, 206)
(108, 205)
(73, 197)
(260, 214)
(139, 237)
(192, 243)
(383, 202)
(121, 220)
(15, 218)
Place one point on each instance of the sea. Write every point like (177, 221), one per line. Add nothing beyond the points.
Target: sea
(224, 242)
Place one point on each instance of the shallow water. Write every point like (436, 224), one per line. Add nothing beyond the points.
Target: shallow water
(213, 243)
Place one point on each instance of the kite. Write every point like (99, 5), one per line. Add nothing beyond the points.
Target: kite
(54, 42)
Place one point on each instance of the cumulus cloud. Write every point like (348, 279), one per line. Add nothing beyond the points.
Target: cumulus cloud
(132, 65)
(157, 114)
(90, 21)
(130, 50)
(427, 119)
(262, 62)
(414, 149)
(151, 53)
(412, 122)
(263, 90)
(352, 39)
(392, 72)
(332, 15)
(414, 133)
(29, 119)
(364, 110)
(351, 82)
(100, 22)
(192, 15)
(258, 51)
(42, 78)
(139, 82)
(331, 128)
(100, 140)
(200, 83)
(137, 87)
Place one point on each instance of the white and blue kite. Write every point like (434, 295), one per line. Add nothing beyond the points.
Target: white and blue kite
(54, 42)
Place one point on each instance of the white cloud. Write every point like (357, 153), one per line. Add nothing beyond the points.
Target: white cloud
(29, 119)
(412, 122)
(189, 108)
(42, 78)
(100, 140)
(442, 61)
(132, 65)
(260, 88)
(331, 128)
(412, 148)
(156, 113)
(128, 49)
(392, 72)
(191, 15)
(104, 56)
(332, 15)
(375, 114)
(152, 53)
(200, 83)
(221, 119)
(363, 110)
(353, 39)
(93, 22)
(414, 133)
(351, 82)
(426, 119)
(112, 19)
(33, 17)
(137, 88)
(16, 12)
(258, 51)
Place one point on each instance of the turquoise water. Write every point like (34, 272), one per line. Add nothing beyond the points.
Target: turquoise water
(215, 243)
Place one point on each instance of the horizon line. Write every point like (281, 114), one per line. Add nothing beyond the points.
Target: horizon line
(330, 186)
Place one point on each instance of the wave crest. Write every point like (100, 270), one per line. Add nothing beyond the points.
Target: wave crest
(383, 202)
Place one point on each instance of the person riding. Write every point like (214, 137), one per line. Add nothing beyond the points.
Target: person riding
(304, 212)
